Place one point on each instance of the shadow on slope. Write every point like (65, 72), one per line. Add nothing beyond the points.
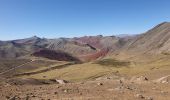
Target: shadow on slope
(56, 55)
(112, 63)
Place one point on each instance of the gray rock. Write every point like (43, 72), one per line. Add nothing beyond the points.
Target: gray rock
(139, 96)
(99, 83)
(61, 81)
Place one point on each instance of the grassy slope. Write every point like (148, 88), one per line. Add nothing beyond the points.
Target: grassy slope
(154, 67)
(78, 72)
(29, 67)
(6, 64)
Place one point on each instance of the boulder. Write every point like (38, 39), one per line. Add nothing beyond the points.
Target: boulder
(165, 79)
(139, 79)
(61, 81)
(139, 96)
(99, 83)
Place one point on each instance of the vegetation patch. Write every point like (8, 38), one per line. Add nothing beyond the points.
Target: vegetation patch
(112, 63)
(165, 53)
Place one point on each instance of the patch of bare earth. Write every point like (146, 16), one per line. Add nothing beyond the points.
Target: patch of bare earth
(104, 88)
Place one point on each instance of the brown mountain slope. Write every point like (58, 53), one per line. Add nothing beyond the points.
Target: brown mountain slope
(155, 41)
(69, 46)
(89, 45)
(99, 42)
(22, 47)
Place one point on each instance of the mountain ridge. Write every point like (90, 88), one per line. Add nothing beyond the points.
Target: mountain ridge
(155, 41)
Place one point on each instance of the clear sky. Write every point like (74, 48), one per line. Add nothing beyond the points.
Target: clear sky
(71, 18)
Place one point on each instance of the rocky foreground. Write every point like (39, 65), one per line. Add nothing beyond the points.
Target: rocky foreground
(104, 88)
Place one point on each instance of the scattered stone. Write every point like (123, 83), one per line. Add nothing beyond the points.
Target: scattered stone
(99, 83)
(149, 98)
(104, 78)
(120, 81)
(165, 79)
(142, 78)
(7, 85)
(7, 97)
(15, 98)
(118, 88)
(61, 81)
(27, 98)
(58, 86)
(152, 68)
(163, 92)
(139, 79)
(55, 92)
(108, 78)
(33, 96)
(129, 88)
(117, 71)
(66, 91)
(139, 96)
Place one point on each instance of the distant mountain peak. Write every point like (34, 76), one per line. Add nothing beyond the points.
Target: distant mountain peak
(34, 37)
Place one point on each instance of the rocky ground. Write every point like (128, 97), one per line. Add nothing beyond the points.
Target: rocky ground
(103, 88)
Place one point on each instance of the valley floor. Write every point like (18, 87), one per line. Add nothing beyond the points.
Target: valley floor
(106, 88)
(136, 80)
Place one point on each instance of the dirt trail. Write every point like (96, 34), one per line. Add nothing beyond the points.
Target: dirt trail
(16, 67)
(47, 69)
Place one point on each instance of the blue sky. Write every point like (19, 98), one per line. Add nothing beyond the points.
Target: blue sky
(71, 18)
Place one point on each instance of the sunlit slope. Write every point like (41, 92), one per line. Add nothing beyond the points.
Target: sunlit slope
(152, 68)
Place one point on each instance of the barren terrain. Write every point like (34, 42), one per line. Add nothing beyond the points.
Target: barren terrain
(87, 68)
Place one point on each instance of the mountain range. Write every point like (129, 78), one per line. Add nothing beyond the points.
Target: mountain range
(87, 48)
(122, 67)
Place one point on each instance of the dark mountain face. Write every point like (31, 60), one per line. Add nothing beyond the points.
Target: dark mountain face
(56, 55)
(156, 40)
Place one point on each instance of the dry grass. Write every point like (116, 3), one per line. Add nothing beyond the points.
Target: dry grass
(88, 71)
(75, 72)
(40, 65)
(6, 64)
